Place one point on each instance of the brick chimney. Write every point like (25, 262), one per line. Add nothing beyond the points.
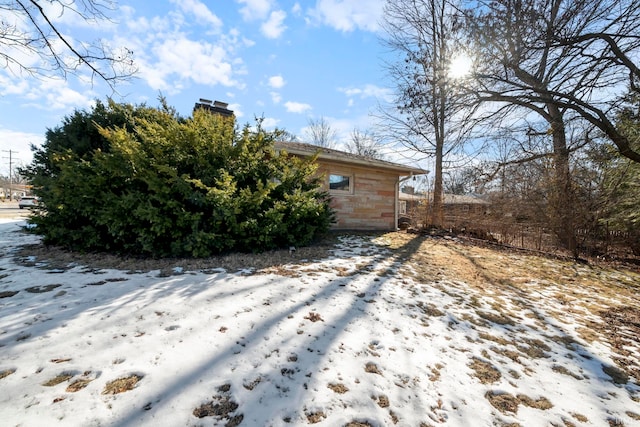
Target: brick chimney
(216, 107)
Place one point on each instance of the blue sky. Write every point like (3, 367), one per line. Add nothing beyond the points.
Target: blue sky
(286, 60)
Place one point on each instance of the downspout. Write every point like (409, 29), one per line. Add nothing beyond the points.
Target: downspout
(397, 198)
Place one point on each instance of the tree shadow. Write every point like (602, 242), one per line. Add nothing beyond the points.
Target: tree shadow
(308, 346)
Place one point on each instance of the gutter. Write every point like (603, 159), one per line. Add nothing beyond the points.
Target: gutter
(397, 199)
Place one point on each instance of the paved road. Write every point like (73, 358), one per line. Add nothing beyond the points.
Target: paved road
(11, 210)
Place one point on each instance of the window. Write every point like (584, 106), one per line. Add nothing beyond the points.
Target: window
(340, 183)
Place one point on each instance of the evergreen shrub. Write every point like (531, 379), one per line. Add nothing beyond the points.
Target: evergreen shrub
(143, 181)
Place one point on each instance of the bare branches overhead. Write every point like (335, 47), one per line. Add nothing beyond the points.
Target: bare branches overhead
(33, 41)
(558, 58)
(319, 132)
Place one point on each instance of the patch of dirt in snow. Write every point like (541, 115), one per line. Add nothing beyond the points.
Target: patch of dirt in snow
(122, 385)
(221, 407)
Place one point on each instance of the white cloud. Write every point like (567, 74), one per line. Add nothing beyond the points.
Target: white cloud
(20, 145)
(200, 11)
(255, 9)
(276, 97)
(56, 94)
(349, 15)
(237, 110)
(296, 107)
(13, 86)
(274, 26)
(270, 122)
(179, 59)
(296, 9)
(276, 82)
(369, 91)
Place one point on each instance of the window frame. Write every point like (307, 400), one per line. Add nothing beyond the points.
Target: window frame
(350, 176)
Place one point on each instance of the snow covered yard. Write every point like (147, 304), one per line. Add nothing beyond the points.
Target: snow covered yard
(386, 330)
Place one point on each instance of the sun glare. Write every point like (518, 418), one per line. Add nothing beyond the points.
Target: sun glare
(460, 67)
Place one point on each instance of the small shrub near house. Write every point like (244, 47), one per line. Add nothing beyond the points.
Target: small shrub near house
(144, 181)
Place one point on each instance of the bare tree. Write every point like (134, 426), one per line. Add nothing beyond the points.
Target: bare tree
(364, 143)
(32, 42)
(424, 35)
(563, 61)
(283, 135)
(319, 132)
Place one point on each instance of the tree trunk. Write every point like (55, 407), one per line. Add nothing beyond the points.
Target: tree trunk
(438, 214)
(561, 200)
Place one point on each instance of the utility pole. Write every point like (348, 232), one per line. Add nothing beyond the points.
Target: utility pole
(10, 176)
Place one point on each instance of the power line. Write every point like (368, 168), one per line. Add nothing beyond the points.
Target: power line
(10, 171)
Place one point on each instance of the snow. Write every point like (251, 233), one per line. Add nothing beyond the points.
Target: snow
(284, 348)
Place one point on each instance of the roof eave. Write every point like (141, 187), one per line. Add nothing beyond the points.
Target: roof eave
(401, 170)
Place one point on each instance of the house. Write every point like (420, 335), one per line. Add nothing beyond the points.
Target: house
(364, 191)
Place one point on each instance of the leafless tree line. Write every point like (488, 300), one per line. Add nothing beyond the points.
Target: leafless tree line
(548, 83)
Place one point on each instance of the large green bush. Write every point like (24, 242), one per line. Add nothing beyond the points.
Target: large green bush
(143, 181)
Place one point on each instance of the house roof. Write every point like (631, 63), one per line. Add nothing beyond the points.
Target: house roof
(302, 149)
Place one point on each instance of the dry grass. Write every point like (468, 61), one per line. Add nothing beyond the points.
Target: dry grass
(382, 401)
(505, 402)
(430, 309)
(534, 348)
(8, 294)
(618, 376)
(498, 340)
(497, 318)
(122, 385)
(485, 371)
(372, 368)
(633, 415)
(511, 354)
(5, 373)
(41, 289)
(435, 372)
(251, 385)
(338, 388)
(78, 385)
(540, 403)
(60, 378)
(59, 258)
(220, 407)
(587, 292)
(314, 317)
(564, 371)
(315, 417)
(580, 417)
